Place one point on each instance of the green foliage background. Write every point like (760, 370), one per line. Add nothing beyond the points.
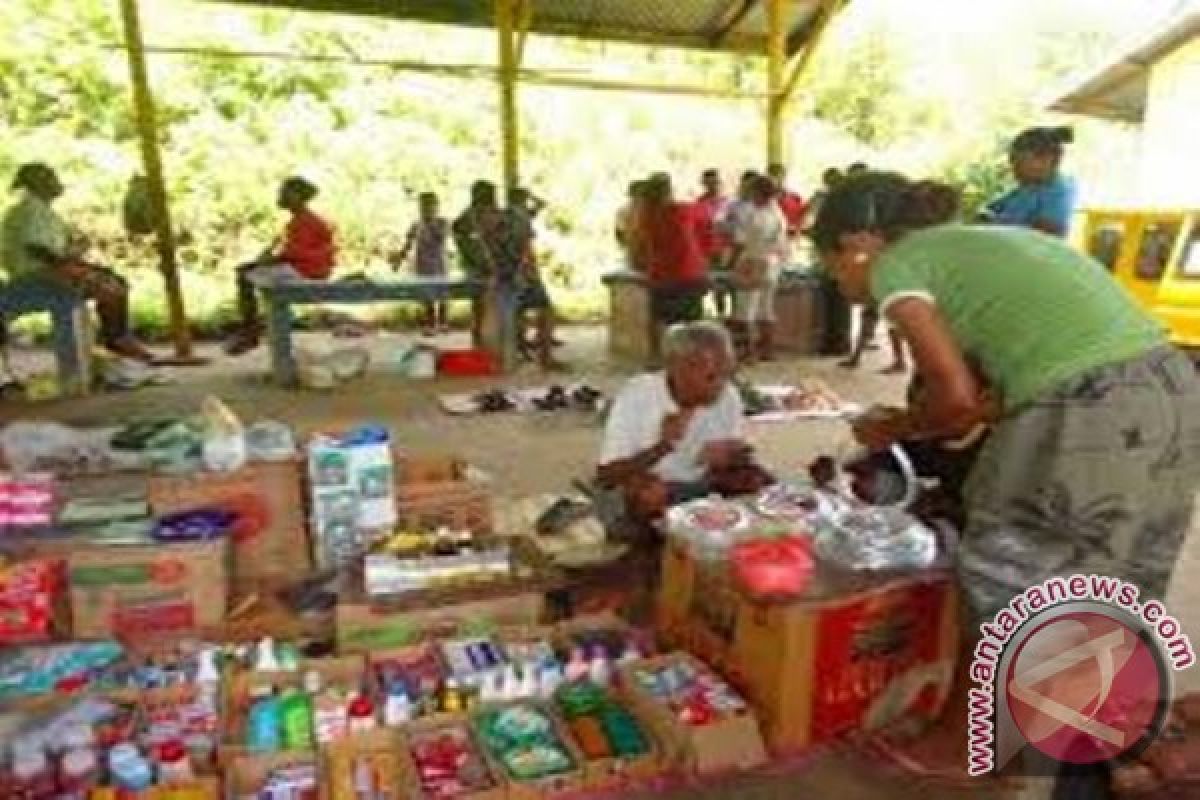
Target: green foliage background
(936, 94)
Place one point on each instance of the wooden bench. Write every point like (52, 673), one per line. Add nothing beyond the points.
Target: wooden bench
(278, 299)
(71, 326)
(802, 316)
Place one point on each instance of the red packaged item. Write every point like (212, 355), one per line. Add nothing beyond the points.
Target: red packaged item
(773, 567)
(32, 601)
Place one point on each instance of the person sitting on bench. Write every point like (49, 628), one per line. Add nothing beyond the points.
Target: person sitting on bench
(307, 254)
(37, 246)
(671, 434)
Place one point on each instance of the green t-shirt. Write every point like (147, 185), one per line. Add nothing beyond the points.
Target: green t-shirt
(1030, 308)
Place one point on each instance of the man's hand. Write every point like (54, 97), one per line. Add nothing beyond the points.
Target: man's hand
(674, 426)
(725, 453)
(881, 427)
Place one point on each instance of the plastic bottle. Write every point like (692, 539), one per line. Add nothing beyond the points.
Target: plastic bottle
(398, 708)
(361, 714)
(549, 679)
(128, 769)
(599, 668)
(577, 666)
(263, 725)
(452, 699)
(78, 773)
(529, 680)
(265, 660)
(296, 711)
(174, 766)
(32, 775)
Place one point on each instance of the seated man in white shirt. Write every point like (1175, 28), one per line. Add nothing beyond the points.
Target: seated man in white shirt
(669, 432)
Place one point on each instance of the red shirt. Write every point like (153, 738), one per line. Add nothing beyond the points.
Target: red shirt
(711, 240)
(308, 245)
(670, 251)
(793, 207)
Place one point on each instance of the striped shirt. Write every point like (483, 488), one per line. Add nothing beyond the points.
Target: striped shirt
(1034, 311)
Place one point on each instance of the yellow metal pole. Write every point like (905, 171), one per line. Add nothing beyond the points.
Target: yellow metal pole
(143, 105)
(506, 32)
(776, 56)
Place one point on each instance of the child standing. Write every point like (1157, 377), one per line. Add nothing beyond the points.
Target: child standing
(426, 241)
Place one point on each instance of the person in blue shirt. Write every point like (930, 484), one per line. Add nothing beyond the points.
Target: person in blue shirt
(1043, 199)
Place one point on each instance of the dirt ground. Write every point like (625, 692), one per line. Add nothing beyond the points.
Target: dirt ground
(535, 454)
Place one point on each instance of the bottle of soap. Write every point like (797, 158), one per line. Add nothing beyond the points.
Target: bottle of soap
(264, 729)
(296, 710)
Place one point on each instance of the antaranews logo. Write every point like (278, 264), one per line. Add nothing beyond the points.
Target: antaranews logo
(1076, 668)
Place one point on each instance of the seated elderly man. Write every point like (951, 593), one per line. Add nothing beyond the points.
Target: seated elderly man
(672, 435)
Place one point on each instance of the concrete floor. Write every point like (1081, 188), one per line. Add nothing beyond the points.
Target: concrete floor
(537, 454)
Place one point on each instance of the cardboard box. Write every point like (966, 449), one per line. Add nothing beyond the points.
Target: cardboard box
(202, 788)
(562, 785)
(145, 590)
(246, 773)
(430, 724)
(274, 490)
(383, 750)
(621, 773)
(860, 651)
(697, 607)
(733, 742)
(239, 686)
(441, 491)
(818, 671)
(365, 624)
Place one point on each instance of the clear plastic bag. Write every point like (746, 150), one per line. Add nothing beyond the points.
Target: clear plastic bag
(225, 447)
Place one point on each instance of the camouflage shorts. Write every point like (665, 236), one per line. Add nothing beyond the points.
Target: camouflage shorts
(1099, 475)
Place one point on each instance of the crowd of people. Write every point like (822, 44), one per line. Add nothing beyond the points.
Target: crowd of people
(735, 247)
(495, 246)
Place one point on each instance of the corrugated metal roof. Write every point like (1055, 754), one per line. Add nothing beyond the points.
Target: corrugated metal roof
(736, 25)
(1117, 88)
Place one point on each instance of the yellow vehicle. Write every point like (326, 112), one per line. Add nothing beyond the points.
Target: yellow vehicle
(1156, 256)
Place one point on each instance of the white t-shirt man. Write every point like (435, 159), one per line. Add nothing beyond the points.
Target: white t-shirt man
(762, 233)
(635, 425)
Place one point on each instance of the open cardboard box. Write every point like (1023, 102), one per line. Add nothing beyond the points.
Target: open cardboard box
(365, 623)
(498, 791)
(338, 762)
(620, 773)
(857, 652)
(349, 671)
(563, 785)
(732, 742)
(246, 772)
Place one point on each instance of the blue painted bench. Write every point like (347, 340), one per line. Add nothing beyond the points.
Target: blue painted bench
(69, 315)
(279, 298)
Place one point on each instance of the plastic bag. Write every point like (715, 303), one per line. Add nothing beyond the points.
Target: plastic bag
(270, 440)
(773, 567)
(224, 437)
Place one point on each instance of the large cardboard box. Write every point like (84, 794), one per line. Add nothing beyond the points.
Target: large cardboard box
(274, 490)
(733, 742)
(365, 624)
(855, 655)
(148, 589)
